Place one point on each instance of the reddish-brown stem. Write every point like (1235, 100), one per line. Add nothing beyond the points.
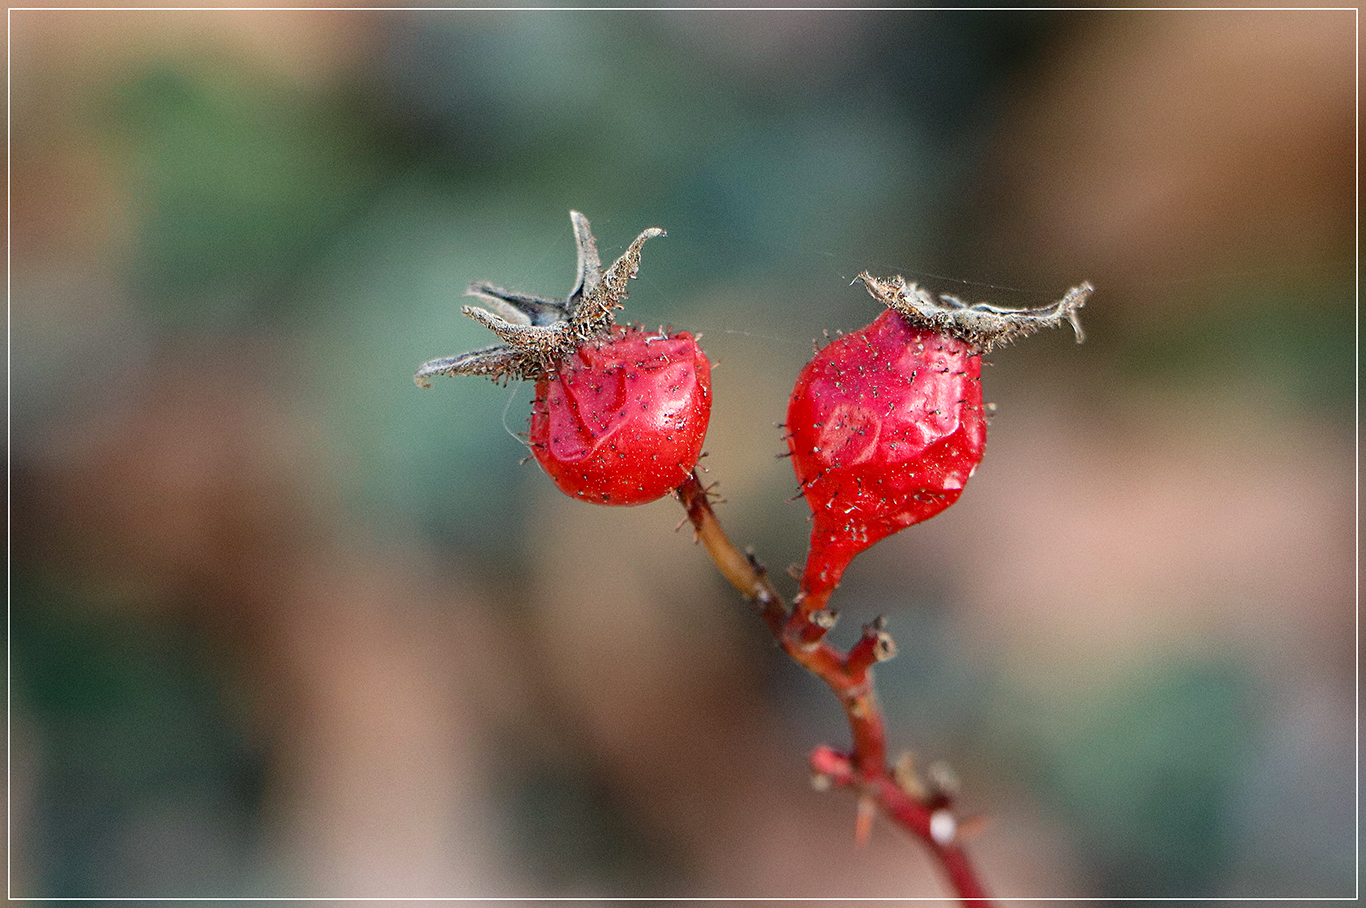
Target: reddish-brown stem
(930, 825)
(743, 572)
(801, 635)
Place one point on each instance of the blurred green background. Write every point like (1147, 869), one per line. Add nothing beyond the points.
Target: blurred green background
(284, 624)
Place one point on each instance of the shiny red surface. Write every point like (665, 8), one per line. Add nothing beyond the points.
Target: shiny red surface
(885, 428)
(622, 421)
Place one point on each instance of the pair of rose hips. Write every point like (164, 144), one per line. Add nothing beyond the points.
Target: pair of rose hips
(885, 425)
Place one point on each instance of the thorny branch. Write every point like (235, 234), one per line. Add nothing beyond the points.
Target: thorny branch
(924, 811)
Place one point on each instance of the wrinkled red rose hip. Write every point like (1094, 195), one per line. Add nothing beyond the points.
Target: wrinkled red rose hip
(620, 413)
(622, 420)
(885, 428)
(886, 425)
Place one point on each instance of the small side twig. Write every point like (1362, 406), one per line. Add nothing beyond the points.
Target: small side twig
(801, 634)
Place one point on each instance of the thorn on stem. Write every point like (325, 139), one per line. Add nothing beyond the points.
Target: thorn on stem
(824, 618)
(884, 647)
(943, 781)
(863, 826)
(906, 778)
(972, 827)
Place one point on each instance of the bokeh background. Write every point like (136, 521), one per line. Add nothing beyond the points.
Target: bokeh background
(284, 624)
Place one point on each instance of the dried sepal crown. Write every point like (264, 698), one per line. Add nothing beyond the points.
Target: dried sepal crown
(981, 324)
(538, 332)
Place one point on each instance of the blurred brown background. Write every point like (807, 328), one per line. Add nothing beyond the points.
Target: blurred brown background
(283, 624)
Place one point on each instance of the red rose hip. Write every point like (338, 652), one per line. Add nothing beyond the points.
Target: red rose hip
(886, 425)
(620, 413)
(621, 421)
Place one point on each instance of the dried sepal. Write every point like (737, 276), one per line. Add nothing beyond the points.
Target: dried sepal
(517, 308)
(494, 362)
(981, 324)
(589, 265)
(592, 314)
(539, 342)
(537, 333)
